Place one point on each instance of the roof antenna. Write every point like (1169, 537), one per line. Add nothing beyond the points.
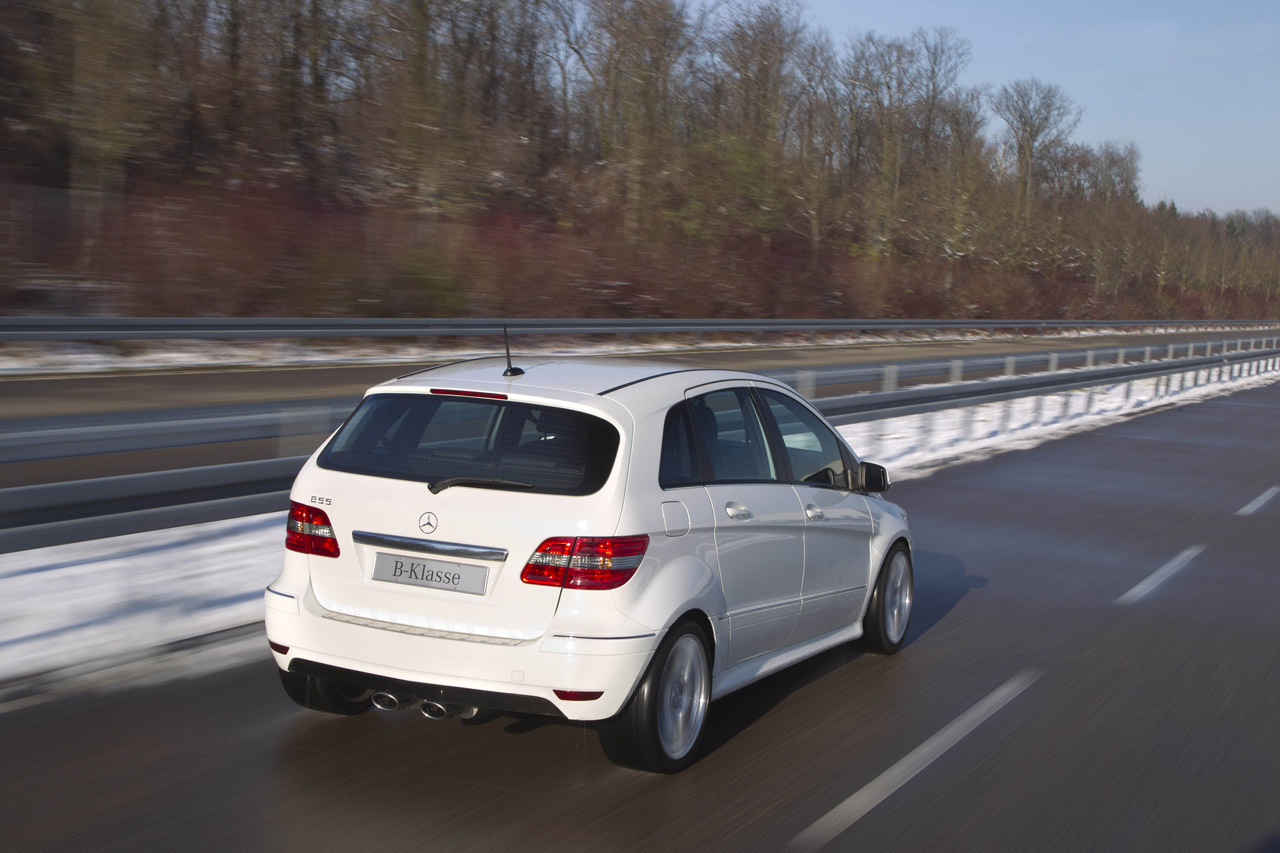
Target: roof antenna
(510, 371)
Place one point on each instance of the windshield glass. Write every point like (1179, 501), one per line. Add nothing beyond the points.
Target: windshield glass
(432, 438)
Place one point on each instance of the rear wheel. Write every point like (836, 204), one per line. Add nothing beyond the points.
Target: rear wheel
(885, 624)
(661, 727)
(317, 694)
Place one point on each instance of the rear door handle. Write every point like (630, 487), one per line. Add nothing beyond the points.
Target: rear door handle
(737, 511)
(814, 512)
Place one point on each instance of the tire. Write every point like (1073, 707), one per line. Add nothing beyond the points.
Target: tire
(661, 728)
(889, 615)
(316, 694)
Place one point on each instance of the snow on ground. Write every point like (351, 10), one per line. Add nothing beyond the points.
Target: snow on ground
(71, 612)
(30, 359)
(107, 599)
(916, 445)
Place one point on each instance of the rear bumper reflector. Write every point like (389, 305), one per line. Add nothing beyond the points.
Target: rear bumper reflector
(578, 695)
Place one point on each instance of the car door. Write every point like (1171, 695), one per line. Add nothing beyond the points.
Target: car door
(759, 522)
(838, 523)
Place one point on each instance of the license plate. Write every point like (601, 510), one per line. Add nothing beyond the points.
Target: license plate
(436, 574)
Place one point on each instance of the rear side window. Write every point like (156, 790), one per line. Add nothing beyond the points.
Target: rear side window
(432, 438)
(679, 464)
(729, 428)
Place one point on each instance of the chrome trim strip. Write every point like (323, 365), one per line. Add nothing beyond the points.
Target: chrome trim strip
(790, 602)
(426, 546)
(400, 628)
(834, 592)
(585, 637)
(283, 594)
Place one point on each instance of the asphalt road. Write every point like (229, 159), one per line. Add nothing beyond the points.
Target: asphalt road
(1069, 683)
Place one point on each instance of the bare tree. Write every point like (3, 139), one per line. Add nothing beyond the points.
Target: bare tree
(943, 55)
(1039, 117)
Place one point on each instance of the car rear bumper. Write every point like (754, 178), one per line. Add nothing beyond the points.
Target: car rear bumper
(521, 677)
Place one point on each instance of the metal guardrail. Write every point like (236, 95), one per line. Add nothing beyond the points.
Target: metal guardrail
(108, 506)
(112, 506)
(857, 408)
(168, 328)
(58, 437)
(32, 439)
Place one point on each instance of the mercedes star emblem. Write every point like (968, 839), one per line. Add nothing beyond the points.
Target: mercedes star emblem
(427, 523)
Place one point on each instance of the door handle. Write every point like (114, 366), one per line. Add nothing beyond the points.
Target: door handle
(737, 511)
(814, 512)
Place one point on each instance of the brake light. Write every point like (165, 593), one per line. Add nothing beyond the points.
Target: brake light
(309, 531)
(585, 562)
(487, 395)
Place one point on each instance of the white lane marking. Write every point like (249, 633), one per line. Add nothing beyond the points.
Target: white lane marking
(845, 815)
(1160, 575)
(1259, 502)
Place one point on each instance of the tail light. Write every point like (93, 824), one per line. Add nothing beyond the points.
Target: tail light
(310, 532)
(585, 562)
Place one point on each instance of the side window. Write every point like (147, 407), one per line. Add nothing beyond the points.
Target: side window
(727, 425)
(812, 448)
(679, 464)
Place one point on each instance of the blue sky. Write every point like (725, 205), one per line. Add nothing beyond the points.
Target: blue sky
(1196, 85)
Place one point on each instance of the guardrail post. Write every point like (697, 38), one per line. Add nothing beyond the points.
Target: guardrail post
(1053, 362)
(1146, 353)
(889, 382)
(1088, 358)
(805, 383)
(1010, 365)
(1120, 357)
(1170, 355)
(957, 369)
(1039, 410)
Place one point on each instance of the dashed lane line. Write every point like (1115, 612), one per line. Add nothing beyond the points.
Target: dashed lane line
(845, 815)
(1259, 502)
(1160, 575)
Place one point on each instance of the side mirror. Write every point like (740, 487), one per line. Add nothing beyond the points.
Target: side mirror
(873, 477)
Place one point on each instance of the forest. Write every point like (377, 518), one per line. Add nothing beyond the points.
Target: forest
(569, 158)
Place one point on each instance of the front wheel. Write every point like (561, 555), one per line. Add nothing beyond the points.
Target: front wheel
(660, 729)
(885, 624)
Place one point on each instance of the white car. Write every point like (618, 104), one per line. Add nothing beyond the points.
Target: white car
(607, 540)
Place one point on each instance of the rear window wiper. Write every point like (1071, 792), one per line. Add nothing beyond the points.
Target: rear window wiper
(440, 485)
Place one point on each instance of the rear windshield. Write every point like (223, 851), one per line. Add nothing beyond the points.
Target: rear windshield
(435, 438)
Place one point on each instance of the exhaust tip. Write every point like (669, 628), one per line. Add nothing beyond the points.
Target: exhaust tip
(445, 710)
(386, 701)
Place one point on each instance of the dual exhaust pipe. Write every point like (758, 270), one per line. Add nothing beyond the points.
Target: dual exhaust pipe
(430, 709)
